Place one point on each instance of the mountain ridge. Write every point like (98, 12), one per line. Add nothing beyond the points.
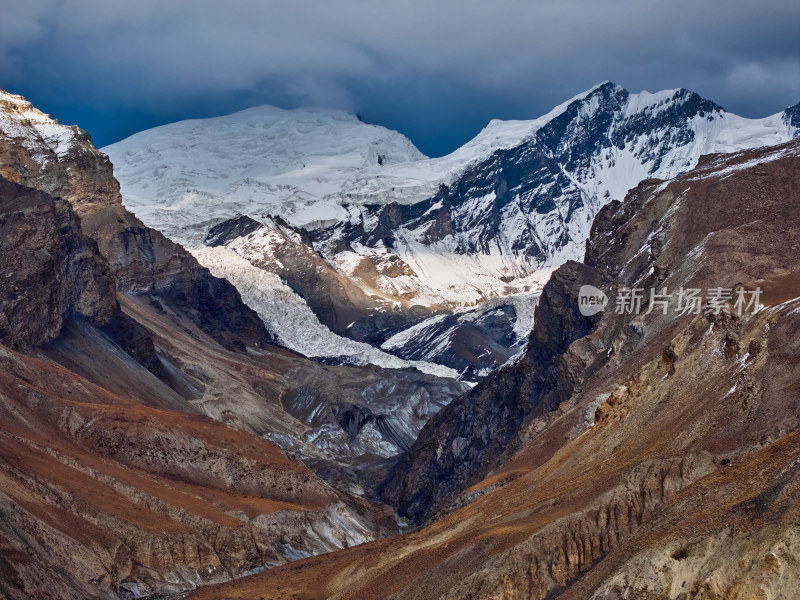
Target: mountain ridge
(418, 238)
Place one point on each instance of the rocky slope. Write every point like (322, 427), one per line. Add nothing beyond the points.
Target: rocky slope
(126, 490)
(103, 497)
(662, 460)
(479, 430)
(60, 160)
(374, 236)
(140, 446)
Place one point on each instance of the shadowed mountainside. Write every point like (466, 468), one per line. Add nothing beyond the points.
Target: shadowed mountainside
(136, 393)
(669, 468)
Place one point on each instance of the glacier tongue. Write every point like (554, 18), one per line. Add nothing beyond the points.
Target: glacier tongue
(289, 318)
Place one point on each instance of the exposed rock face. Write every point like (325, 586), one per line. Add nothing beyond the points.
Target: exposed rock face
(473, 434)
(61, 161)
(474, 342)
(670, 467)
(793, 115)
(229, 230)
(51, 271)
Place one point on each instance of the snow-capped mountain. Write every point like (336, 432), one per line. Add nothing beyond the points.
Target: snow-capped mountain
(507, 221)
(378, 238)
(264, 160)
(302, 164)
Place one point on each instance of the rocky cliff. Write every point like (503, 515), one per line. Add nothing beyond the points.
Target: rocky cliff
(37, 152)
(51, 270)
(53, 274)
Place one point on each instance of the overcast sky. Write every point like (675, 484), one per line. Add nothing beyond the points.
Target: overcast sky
(436, 70)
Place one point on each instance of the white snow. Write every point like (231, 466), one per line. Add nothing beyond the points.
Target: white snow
(302, 164)
(36, 131)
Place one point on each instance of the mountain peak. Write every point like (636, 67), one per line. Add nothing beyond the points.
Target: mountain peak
(20, 120)
(791, 116)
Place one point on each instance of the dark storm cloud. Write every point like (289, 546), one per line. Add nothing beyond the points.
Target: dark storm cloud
(435, 69)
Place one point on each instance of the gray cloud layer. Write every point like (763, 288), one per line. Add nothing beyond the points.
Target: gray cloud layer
(435, 69)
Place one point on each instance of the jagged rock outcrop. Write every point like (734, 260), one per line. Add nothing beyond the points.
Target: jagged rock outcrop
(473, 342)
(222, 233)
(51, 271)
(792, 115)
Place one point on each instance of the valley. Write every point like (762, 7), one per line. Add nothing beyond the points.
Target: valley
(283, 354)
